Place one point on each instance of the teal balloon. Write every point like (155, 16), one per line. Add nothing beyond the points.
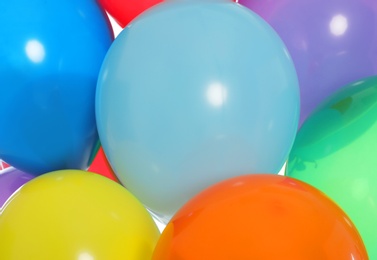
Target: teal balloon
(335, 152)
(191, 93)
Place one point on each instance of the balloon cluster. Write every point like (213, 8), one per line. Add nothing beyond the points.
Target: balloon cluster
(192, 110)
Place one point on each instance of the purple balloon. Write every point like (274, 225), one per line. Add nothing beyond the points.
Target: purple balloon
(332, 42)
(10, 180)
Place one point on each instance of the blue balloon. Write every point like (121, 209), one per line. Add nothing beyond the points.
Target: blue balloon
(50, 56)
(191, 93)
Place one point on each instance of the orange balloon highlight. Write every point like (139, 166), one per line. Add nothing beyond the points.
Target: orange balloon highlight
(260, 216)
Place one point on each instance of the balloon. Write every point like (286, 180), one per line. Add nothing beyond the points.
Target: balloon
(10, 180)
(101, 166)
(260, 216)
(334, 151)
(3, 165)
(184, 100)
(332, 42)
(51, 53)
(74, 214)
(124, 11)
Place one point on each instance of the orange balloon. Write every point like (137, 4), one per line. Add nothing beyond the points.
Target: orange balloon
(260, 216)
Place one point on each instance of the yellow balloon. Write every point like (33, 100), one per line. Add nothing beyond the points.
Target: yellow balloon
(75, 215)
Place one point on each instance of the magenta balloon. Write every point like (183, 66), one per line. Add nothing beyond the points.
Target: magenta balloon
(332, 42)
(10, 180)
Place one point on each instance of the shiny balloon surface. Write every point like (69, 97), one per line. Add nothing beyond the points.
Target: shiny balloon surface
(191, 93)
(124, 11)
(332, 42)
(51, 53)
(11, 179)
(335, 152)
(261, 216)
(101, 165)
(74, 214)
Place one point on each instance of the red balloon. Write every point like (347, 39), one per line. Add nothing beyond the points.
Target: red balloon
(124, 11)
(101, 165)
(3, 165)
(260, 216)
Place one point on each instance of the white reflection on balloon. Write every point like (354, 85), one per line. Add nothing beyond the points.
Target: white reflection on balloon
(338, 25)
(360, 188)
(35, 51)
(216, 94)
(85, 256)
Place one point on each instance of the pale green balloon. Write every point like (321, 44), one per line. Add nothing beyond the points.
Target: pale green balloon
(336, 151)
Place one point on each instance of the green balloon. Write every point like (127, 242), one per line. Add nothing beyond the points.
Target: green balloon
(336, 151)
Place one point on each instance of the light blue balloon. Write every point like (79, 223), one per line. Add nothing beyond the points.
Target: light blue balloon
(191, 93)
(50, 56)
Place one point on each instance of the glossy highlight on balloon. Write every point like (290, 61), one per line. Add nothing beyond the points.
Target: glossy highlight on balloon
(334, 151)
(51, 53)
(332, 42)
(74, 214)
(184, 102)
(260, 216)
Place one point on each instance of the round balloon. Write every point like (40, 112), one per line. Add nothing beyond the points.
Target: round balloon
(74, 214)
(124, 11)
(185, 100)
(332, 42)
(101, 165)
(334, 152)
(51, 53)
(261, 216)
(11, 179)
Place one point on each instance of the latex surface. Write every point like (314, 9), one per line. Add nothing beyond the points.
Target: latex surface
(75, 215)
(124, 11)
(260, 217)
(10, 180)
(332, 42)
(50, 56)
(101, 165)
(335, 152)
(193, 92)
